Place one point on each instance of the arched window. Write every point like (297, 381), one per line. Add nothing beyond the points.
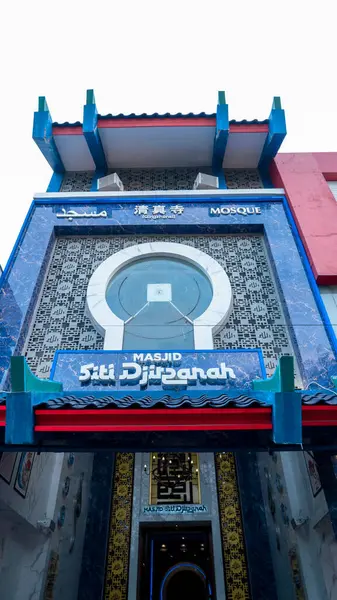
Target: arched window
(159, 296)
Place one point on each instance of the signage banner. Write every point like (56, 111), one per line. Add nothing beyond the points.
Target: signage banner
(175, 509)
(150, 212)
(126, 372)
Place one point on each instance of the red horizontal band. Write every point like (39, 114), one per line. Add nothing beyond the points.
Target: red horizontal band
(76, 130)
(247, 128)
(155, 420)
(170, 419)
(2, 416)
(132, 428)
(179, 122)
(164, 122)
(319, 416)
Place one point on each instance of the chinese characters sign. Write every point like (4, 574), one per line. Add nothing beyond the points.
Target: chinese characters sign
(158, 211)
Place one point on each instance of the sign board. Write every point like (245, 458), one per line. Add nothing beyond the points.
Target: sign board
(125, 372)
(176, 509)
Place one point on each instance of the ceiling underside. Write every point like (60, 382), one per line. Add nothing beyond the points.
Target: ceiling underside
(151, 147)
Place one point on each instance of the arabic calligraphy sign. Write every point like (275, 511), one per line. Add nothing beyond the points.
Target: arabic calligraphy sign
(174, 478)
(153, 211)
(73, 214)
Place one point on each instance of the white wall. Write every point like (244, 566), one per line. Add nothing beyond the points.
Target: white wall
(314, 539)
(40, 499)
(24, 550)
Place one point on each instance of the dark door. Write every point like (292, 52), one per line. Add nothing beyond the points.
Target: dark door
(185, 583)
(176, 563)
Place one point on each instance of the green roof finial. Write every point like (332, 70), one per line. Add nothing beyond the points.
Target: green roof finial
(221, 98)
(90, 97)
(277, 103)
(43, 106)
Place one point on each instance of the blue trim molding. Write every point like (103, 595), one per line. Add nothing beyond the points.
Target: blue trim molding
(276, 135)
(97, 175)
(91, 132)
(55, 182)
(220, 140)
(313, 341)
(43, 136)
(312, 281)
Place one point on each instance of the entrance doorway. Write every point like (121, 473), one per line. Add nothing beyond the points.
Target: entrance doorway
(176, 563)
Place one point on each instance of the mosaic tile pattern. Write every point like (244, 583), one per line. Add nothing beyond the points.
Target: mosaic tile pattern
(233, 544)
(60, 322)
(77, 181)
(160, 179)
(181, 178)
(243, 179)
(117, 569)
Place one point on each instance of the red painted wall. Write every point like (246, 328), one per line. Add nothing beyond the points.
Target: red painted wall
(304, 177)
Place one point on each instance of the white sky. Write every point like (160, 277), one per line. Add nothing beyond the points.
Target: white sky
(153, 57)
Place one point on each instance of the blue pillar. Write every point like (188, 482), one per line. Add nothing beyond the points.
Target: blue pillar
(220, 140)
(275, 137)
(91, 134)
(55, 182)
(262, 580)
(43, 136)
(94, 555)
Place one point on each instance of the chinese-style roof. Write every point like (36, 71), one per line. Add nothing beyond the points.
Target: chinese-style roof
(116, 141)
(88, 401)
(164, 116)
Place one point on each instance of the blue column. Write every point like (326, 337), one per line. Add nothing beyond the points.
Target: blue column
(43, 136)
(220, 140)
(91, 133)
(275, 137)
(55, 182)
(262, 580)
(94, 555)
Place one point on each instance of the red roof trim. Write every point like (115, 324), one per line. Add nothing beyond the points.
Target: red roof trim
(246, 128)
(194, 419)
(319, 416)
(153, 420)
(76, 130)
(2, 416)
(174, 419)
(179, 122)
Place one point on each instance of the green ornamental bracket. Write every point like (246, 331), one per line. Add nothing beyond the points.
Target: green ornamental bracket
(23, 380)
(27, 391)
(287, 405)
(334, 381)
(283, 379)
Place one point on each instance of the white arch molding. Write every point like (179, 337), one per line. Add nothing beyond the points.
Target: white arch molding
(205, 326)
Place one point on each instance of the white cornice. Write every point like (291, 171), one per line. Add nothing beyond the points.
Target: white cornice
(165, 194)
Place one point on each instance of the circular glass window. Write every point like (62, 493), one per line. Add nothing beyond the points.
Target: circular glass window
(158, 299)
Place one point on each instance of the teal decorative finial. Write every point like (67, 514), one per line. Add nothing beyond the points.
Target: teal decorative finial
(23, 380)
(43, 106)
(91, 97)
(221, 98)
(283, 379)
